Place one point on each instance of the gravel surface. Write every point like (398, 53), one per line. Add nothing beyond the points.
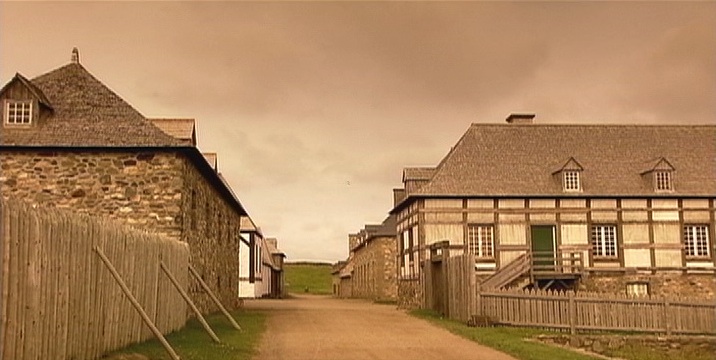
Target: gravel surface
(324, 328)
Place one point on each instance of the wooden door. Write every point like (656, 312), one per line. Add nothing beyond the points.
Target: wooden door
(543, 247)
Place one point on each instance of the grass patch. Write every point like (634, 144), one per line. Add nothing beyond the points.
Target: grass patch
(316, 278)
(193, 343)
(506, 339)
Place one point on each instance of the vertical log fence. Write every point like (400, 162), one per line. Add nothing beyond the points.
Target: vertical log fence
(58, 299)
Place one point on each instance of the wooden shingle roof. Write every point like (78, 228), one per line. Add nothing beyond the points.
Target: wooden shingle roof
(418, 173)
(86, 113)
(519, 160)
(182, 129)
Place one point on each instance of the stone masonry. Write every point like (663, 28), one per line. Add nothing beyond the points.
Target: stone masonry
(160, 192)
(374, 272)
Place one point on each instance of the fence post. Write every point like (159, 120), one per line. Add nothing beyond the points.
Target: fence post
(667, 316)
(572, 314)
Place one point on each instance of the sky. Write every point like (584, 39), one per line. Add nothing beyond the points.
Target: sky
(314, 108)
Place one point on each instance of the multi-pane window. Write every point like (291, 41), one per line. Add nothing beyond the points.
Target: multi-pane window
(696, 240)
(480, 240)
(663, 180)
(637, 289)
(571, 181)
(604, 241)
(18, 112)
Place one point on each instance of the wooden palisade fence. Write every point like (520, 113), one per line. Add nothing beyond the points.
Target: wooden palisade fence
(58, 299)
(569, 311)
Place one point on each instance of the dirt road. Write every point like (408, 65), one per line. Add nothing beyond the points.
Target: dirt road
(322, 328)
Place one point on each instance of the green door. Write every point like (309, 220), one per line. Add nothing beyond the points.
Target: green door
(543, 247)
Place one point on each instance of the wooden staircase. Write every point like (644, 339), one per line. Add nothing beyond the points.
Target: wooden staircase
(539, 270)
(508, 273)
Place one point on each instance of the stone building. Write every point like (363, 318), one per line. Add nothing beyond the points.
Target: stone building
(614, 208)
(370, 270)
(68, 141)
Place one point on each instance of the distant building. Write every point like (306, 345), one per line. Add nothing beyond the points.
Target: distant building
(68, 141)
(370, 271)
(617, 208)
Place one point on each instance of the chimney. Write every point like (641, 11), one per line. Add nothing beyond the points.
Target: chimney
(519, 119)
(398, 196)
(75, 56)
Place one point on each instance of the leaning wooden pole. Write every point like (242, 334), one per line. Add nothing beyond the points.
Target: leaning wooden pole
(213, 297)
(190, 303)
(136, 304)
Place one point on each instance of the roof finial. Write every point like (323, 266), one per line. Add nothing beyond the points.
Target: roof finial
(75, 56)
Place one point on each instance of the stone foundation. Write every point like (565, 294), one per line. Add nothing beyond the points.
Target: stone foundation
(673, 284)
(608, 344)
(410, 294)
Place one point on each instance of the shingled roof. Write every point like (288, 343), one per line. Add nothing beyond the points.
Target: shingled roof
(182, 129)
(418, 173)
(519, 160)
(86, 113)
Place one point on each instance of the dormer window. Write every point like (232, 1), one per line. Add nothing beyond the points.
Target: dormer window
(571, 176)
(662, 180)
(18, 112)
(571, 180)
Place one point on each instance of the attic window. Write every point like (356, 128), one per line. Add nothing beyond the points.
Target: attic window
(662, 180)
(18, 112)
(571, 180)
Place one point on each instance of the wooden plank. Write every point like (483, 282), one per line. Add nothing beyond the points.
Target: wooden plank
(11, 285)
(193, 307)
(136, 305)
(213, 297)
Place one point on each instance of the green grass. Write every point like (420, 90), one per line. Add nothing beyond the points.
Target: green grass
(506, 339)
(314, 277)
(193, 343)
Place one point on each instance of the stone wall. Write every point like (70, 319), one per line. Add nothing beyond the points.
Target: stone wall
(141, 189)
(160, 192)
(667, 346)
(211, 228)
(374, 272)
(661, 284)
(410, 294)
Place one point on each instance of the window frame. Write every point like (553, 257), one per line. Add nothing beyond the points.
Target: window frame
(478, 245)
(693, 236)
(6, 112)
(663, 181)
(572, 180)
(599, 241)
(637, 285)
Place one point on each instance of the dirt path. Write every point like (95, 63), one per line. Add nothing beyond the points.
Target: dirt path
(322, 328)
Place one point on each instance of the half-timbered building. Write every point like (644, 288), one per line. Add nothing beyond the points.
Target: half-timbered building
(617, 208)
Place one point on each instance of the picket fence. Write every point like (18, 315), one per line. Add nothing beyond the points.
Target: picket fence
(588, 311)
(59, 301)
(452, 289)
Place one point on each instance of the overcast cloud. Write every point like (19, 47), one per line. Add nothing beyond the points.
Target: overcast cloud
(315, 108)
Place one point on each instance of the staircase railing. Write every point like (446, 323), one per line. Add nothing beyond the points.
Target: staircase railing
(508, 273)
(536, 264)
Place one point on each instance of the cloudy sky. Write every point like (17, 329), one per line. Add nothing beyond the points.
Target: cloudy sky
(315, 108)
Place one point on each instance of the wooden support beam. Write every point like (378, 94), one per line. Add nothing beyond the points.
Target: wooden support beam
(136, 304)
(190, 303)
(213, 297)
